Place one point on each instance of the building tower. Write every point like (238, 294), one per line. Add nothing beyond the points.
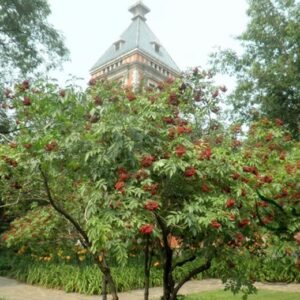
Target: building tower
(137, 56)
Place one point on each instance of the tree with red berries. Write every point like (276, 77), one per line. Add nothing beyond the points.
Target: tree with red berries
(192, 183)
(120, 165)
(43, 164)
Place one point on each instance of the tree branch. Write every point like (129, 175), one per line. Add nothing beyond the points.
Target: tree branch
(61, 210)
(183, 262)
(191, 274)
(167, 277)
(11, 204)
(164, 229)
(13, 130)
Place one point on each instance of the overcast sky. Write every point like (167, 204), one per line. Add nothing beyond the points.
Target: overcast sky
(188, 29)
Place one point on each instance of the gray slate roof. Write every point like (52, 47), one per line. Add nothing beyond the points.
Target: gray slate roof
(138, 36)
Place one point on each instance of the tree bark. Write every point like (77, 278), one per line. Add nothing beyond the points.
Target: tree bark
(101, 262)
(147, 268)
(104, 288)
(168, 281)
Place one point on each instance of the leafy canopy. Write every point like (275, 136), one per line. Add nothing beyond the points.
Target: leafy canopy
(268, 71)
(155, 164)
(27, 40)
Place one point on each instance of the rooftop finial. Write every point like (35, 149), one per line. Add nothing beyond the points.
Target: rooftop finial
(139, 10)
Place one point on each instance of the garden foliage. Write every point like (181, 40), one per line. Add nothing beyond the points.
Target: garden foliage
(122, 168)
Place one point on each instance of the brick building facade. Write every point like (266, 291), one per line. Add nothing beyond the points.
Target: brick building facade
(137, 57)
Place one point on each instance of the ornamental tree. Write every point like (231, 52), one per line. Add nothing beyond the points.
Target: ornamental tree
(192, 180)
(120, 165)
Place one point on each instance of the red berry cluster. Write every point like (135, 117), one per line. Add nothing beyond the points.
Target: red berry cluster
(206, 154)
(152, 188)
(27, 101)
(151, 205)
(215, 224)
(230, 203)
(147, 161)
(123, 174)
(190, 172)
(180, 150)
(173, 99)
(131, 96)
(52, 146)
(146, 229)
(249, 169)
(10, 161)
(119, 186)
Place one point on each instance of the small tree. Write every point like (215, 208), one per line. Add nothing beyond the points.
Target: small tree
(182, 177)
(116, 165)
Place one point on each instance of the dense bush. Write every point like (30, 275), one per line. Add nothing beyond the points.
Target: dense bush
(84, 277)
(74, 276)
(277, 264)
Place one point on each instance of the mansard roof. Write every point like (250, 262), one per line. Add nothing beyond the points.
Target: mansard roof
(138, 36)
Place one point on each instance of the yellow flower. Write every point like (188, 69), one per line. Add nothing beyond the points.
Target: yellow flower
(156, 264)
(82, 251)
(81, 257)
(47, 258)
(22, 250)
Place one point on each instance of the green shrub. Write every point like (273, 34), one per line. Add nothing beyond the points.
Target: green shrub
(276, 267)
(77, 277)
(84, 277)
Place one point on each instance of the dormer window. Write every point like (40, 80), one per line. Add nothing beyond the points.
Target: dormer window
(119, 44)
(156, 46)
(152, 84)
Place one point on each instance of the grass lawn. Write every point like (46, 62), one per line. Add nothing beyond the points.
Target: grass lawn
(261, 295)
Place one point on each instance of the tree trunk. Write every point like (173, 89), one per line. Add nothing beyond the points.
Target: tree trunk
(168, 281)
(100, 260)
(168, 276)
(147, 268)
(104, 288)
